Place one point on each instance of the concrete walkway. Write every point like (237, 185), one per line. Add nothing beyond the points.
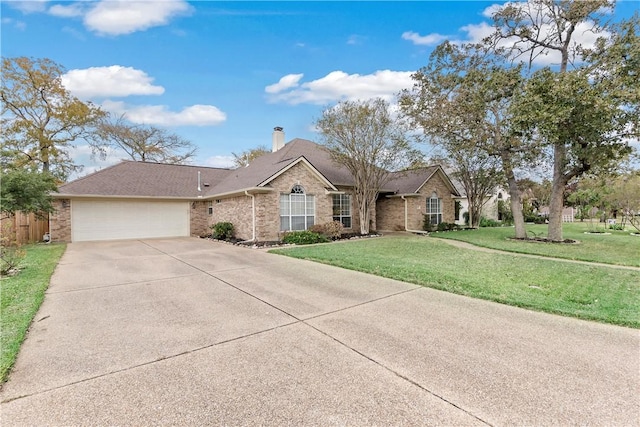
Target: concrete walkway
(192, 332)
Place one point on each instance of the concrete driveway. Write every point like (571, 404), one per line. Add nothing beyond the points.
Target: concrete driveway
(192, 332)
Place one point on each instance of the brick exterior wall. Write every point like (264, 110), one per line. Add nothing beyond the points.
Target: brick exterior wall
(299, 174)
(60, 221)
(391, 210)
(199, 218)
(236, 210)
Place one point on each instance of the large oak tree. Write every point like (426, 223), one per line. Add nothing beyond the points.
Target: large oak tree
(580, 107)
(41, 120)
(462, 102)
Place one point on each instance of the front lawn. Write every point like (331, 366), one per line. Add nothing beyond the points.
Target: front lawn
(21, 296)
(603, 294)
(619, 247)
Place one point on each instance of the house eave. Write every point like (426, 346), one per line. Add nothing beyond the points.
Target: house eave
(400, 196)
(240, 192)
(119, 196)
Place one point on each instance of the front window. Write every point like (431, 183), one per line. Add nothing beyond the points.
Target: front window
(342, 209)
(297, 210)
(434, 209)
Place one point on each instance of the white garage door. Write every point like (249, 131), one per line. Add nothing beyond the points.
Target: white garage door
(120, 219)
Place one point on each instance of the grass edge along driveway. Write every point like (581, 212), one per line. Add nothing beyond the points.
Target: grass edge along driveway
(21, 296)
(602, 294)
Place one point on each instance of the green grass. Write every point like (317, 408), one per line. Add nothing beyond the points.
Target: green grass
(21, 296)
(618, 248)
(603, 294)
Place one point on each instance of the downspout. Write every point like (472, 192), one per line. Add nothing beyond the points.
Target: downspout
(253, 216)
(406, 219)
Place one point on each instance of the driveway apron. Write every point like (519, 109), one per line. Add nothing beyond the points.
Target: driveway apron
(192, 332)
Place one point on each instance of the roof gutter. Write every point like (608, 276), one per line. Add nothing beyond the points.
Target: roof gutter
(116, 196)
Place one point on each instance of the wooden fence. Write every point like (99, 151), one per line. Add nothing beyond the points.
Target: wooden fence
(25, 227)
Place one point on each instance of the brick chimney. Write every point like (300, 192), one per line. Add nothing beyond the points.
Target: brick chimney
(277, 139)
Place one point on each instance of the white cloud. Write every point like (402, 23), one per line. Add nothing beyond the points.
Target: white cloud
(29, 6)
(117, 17)
(286, 82)
(220, 162)
(67, 11)
(428, 40)
(195, 115)
(112, 81)
(20, 25)
(355, 39)
(476, 32)
(339, 86)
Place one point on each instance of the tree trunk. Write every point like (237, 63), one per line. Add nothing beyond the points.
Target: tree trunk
(556, 202)
(363, 210)
(515, 198)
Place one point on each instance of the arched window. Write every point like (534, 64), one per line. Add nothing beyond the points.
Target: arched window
(297, 209)
(434, 209)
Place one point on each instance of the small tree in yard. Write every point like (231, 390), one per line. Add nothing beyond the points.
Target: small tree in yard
(625, 197)
(369, 141)
(25, 191)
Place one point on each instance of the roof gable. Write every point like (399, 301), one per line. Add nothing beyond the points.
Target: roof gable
(412, 181)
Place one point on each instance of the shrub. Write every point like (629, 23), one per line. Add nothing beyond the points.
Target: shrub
(447, 226)
(426, 223)
(303, 238)
(11, 252)
(486, 222)
(331, 230)
(223, 231)
(616, 227)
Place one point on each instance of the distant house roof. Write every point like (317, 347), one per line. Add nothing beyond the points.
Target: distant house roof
(143, 179)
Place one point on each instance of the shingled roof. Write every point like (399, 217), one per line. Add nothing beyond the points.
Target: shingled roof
(143, 179)
(411, 181)
(263, 168)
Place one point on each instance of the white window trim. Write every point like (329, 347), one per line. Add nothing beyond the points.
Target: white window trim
(342, 204)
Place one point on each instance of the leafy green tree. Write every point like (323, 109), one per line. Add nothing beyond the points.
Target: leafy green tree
(462, 102)
(26, 191)
(40, 119)
(242, 159)
(575, 112)
(479, 174)
(624, 197)
(145, 143)
(368, 140)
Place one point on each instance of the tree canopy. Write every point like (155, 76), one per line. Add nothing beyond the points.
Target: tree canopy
(462, 103)
(40, 119)
(576, 112)
(369, 141)
(144, 143)
(242, 159)
(26, 191)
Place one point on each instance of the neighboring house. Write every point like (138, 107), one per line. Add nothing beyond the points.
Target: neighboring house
(291, 188)
(489, 210)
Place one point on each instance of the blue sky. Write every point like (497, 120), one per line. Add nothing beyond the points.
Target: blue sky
(223, 74)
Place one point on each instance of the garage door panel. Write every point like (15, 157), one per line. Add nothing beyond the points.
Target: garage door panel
(119, 219)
